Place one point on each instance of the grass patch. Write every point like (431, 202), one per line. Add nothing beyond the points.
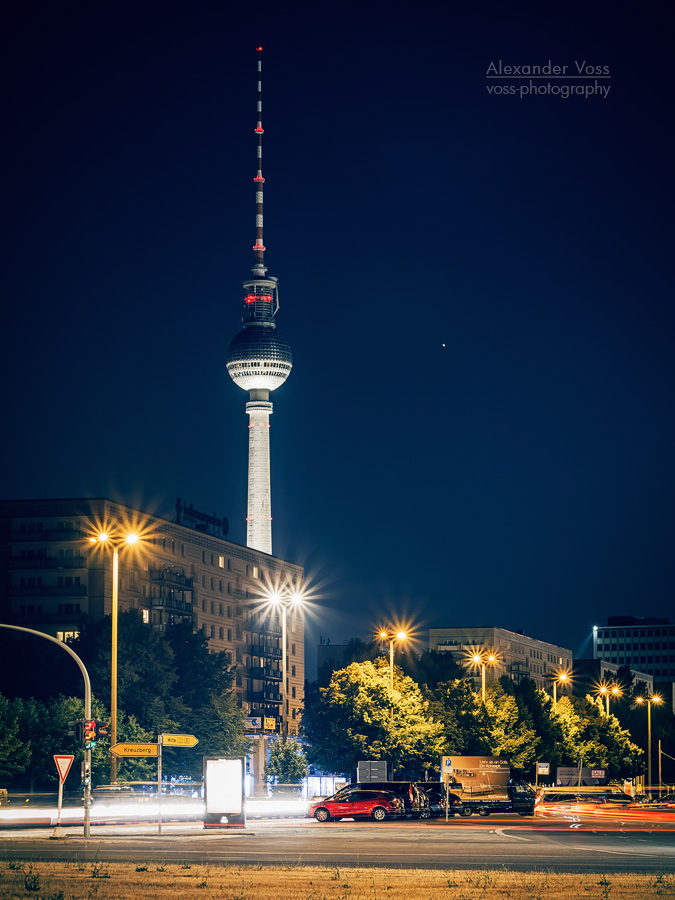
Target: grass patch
(127, 881)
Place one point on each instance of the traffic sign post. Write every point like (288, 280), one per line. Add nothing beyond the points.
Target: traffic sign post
(168, 740)
(134, 750)
(63, 764)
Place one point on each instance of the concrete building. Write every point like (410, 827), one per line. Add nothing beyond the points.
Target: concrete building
(589, 674)
(52, 578)
(644, 644)
(518, 656)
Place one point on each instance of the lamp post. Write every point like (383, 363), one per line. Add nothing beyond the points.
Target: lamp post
(482, 658)
(106, 539)
(392, 636)
(607, 692)
(655, 698)
(284, 600)
(562, 678)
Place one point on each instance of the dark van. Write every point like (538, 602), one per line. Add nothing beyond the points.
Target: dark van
(415, 801)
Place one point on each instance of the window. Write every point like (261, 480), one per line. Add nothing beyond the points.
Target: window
(213, 608)
(146, 616)
(212, 559)
(220, 609)
(220, 586)
(292, 649)
(203, 580)
(221, 562)
(293, 670)
(293, 714)
(220, 633)
(293, 695)
(212, 584)
(182, 549)
(229, 634)
(255, 571)
(203, 555)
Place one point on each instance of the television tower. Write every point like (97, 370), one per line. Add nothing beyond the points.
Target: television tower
(259, 360)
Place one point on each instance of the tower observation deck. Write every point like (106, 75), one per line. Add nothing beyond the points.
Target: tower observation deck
(259, 360)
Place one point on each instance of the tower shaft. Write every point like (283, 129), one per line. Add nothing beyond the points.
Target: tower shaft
(259, 518)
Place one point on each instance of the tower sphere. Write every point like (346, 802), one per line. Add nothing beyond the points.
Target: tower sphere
(259, 358)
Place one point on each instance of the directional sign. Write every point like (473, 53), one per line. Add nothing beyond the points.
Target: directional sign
(63, 764)
(134, 750)
(179, 740)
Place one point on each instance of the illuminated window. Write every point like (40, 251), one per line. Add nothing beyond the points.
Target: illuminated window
(221, 562)
(146, 616)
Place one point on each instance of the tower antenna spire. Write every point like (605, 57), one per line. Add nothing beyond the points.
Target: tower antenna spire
(259, 360)
(259, 267)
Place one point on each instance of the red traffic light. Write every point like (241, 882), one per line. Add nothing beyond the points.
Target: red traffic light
(89, 738)
(102, 729)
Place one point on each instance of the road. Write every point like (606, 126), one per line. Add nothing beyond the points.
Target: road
(574, 844)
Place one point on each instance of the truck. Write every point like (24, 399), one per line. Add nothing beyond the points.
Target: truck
(483, 785)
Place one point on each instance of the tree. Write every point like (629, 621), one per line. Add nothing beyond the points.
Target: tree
(466, 725)
(14, 749)
(287, 763)
(511, 735)
(219, 725)
(349, 720)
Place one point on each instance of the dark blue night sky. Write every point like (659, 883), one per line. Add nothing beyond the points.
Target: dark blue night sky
(478, 428)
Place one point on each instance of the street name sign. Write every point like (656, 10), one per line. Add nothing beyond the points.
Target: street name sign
(137, 750)
(179, 740)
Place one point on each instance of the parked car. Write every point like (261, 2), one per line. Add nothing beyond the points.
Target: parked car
(435, 794)
(361, 804)
(415, 801)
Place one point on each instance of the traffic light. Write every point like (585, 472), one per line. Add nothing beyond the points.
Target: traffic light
(76, 730)
(101, 730)
(89, 737)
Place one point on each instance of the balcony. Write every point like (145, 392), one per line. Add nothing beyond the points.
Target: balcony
(172, 604)
(264, 650)
(48, 590)
(175, 580)
(264, 672)
(40, 536)
(19, 563)
(264, 697)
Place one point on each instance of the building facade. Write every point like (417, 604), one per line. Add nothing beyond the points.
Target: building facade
(517, 656)
(52, 578)
(647, 645)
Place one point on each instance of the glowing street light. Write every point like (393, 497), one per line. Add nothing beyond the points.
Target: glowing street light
(482, 658)
(392, 636)
(655, 698)
(607, 692)
(561, 678)
(106, 539)
(284, 600)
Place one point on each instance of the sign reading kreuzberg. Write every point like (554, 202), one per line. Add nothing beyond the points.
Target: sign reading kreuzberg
(179, 740)
(134, 750)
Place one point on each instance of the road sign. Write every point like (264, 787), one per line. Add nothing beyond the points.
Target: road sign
(270, 723)
(137, 750)
(63, 764)
(179, 740)
(543, 768)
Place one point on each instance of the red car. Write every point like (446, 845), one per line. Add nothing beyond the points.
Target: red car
(378, 805)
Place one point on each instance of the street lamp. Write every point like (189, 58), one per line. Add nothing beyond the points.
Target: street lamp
(655, 698)
(104, 538)
(482, 658)
(392, 636)
(561, 678)
(291, 599)
(607, 692)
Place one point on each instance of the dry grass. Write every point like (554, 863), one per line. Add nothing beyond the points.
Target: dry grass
(156, 881)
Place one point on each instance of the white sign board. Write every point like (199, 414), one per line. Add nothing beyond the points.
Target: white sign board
(63, 764)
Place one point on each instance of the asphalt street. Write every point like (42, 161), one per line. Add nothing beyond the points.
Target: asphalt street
(561, 845)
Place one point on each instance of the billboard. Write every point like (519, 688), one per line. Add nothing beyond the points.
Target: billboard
(573, 776)
(224, 792)
(476, 776)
